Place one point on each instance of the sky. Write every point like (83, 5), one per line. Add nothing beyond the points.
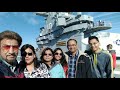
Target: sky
(28, 24)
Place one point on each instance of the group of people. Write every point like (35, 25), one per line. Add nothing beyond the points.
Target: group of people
(93, 63)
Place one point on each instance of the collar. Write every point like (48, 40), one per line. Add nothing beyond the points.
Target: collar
(99, 51)
(77, 53)
(26, 70)
(5, 62)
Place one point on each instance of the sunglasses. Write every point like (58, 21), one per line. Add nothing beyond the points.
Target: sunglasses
(48, 54)
(7, 47)
(58, 54)
(25, 53)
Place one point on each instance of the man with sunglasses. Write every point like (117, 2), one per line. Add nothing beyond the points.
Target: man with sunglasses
(9, 46)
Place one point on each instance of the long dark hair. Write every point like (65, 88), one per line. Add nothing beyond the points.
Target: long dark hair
(22, 64)
(43, 53)
(63, 59)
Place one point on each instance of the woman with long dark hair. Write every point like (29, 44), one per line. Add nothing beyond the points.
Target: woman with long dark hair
(60, 58)
(30, 65)
(55, 69)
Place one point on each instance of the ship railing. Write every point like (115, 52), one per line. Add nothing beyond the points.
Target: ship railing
(43, 42)
(40, 42)
(42, 38)
(103, 24)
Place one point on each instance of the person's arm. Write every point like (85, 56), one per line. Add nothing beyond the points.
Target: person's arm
(114, 60)
(1, 74)
(109, 67)
(89, 68)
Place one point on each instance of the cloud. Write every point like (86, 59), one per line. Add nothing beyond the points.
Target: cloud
(30, 18)
(33, 21)
(15, 13)
(3, 13)
(105, 14)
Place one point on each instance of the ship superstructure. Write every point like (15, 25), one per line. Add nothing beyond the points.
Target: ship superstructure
(61, 26)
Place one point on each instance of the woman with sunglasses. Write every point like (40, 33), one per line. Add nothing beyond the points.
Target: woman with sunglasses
(60, 58)
(29, 64)
(55, 68)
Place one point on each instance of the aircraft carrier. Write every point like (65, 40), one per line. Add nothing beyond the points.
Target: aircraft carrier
(61, 26)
